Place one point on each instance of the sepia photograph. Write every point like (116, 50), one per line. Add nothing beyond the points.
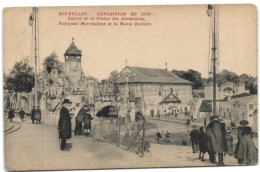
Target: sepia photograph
(116, 87)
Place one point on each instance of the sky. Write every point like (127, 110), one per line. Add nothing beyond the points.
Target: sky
(179, 35)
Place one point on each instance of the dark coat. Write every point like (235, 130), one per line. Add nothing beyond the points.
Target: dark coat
(87, 121)
(194, 135)
(245, 148)
(203, 142)
(80, 116)
(216, 137)
(11, 113)
(33, 114)
(64, 124)
(22, 113)
(230, 150)
(38, 114)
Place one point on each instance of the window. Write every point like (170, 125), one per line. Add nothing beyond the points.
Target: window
(251, 106)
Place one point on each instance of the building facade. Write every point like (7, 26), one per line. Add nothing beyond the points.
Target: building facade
(149, 88)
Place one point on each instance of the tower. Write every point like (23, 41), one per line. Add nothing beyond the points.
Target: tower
(73, 64)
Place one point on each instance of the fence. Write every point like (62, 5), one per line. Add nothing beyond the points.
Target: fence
(129, 135)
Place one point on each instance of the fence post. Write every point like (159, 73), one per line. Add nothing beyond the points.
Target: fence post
(119, 127)
(143, 144)
(100, 127)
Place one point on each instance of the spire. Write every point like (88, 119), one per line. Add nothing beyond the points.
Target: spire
(73, 50)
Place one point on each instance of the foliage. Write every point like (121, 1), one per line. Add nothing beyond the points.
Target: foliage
(113, 75)
(23, 77)
(222, 77)
(52, 61)
(228, 76)
(190, 75)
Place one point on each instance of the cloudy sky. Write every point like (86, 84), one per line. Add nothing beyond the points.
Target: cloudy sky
(179, 35)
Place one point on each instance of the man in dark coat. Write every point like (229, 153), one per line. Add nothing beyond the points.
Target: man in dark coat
(22, 114)
(194, 138)
(87, 122)
(38, 115)
(33, 114)
(216, 140)
(79, 119)
(64, 124)
(11, 114)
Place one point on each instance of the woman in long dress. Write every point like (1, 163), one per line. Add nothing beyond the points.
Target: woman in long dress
(245, 151)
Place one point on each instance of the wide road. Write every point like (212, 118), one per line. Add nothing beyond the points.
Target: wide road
(36, 147)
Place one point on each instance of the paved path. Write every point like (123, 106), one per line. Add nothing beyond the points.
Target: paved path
(36, 147)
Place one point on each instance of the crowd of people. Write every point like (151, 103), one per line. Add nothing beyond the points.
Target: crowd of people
(215, 140)
(35, 114)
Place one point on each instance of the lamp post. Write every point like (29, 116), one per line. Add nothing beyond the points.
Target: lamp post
(33, 20)
(212, 12)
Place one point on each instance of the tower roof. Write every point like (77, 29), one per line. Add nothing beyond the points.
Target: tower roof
(73, 50)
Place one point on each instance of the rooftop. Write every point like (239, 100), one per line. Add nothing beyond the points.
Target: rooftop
(151, 75)
(73, 50)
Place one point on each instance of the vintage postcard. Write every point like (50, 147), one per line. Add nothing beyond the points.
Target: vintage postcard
(104, 87)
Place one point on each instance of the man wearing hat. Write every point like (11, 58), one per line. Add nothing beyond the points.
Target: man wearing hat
(79, 119)
(64, 124)
(216, 140)
(87, 122)
(194, 138)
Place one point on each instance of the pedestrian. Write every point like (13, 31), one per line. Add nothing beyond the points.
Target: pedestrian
(38, 115)
(79, 119)
(87, 122)
(167, 136)
(229, 139)
(64, 125)
(33, 114)
(216, 140)
(194, 135)
(22, 113)
(11, 114)
(188, 125)
(203, 147)
(245, 151)
(158, 135)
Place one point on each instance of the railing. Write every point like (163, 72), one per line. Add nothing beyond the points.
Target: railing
(129, 135)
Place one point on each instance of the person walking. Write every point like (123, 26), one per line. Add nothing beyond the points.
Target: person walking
(64, 125)
(203, 147)
(87, 122)
(38, 115)
(33, 114)
(22, 113)
(79, 119)
(229, 139)
(188, 125)
(245, 151)
(158, 135)
(216, 140)
(194, 134)
(167, 136)
(11, 114)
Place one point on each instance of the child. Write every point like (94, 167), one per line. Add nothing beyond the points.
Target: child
(229, 139)
(202, 143)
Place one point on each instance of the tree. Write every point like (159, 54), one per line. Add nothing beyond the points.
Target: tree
(113, 75)
(190, 75)
(23, 77)
(228, 76)
(52, 61)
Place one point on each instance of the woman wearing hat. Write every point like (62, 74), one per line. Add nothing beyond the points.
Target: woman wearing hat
(64, 124)
(245, 151)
